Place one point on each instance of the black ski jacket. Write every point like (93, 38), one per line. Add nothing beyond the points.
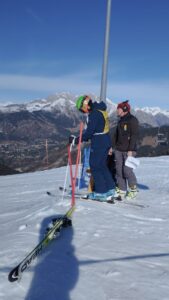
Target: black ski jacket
(126, 134)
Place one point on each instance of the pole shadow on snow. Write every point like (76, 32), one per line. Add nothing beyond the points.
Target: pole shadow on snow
(142, 186)
(56, 270)
(125, 258)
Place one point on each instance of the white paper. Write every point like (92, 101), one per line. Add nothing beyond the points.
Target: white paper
(132, 162)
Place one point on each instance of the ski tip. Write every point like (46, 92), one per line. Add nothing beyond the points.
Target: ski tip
(13, 275)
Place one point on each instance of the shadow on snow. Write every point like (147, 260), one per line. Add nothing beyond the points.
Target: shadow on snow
(56, 270)
(142, 186)
(125, 258)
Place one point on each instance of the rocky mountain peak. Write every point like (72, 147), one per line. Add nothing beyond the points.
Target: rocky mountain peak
(64, 103)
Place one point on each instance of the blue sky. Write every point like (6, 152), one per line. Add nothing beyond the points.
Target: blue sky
(51, 46)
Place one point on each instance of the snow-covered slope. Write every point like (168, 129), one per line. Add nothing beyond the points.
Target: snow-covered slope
(112, 252)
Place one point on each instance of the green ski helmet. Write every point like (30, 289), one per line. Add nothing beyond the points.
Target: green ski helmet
(79, 102)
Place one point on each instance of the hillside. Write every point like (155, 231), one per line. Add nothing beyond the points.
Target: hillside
(34, 135)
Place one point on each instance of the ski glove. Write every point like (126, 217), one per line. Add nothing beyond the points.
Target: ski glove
(73, 140)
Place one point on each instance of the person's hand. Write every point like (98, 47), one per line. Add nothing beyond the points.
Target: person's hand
(110, 151)
(73, 140)
(130, 153)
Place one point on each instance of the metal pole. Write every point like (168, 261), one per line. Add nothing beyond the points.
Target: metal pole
(47, 160)
(106, 49)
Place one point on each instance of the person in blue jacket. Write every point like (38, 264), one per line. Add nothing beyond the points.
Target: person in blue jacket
(97, 131)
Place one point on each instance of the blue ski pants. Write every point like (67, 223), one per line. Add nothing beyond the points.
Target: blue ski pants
(103, 180)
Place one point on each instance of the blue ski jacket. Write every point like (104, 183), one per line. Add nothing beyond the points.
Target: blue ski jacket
(97, 128)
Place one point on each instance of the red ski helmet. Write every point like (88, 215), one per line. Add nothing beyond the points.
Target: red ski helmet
(125, 106)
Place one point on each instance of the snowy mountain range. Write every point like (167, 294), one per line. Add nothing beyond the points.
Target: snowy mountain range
(65, 104)
(33, 135)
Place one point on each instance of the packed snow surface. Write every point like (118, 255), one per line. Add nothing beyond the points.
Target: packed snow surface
(112, 252)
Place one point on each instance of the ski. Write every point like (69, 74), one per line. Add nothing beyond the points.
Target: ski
(67, 193)
(110, 201)
(124, 201)
(51, 194)
(114, 200)
(133, 204)
(83, 196)
(61, 188)
(127, 202)
(64, 221)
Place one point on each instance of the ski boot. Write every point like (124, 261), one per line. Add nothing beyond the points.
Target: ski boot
(119, 194)
(102, 197)
(131, 193)
(114, 194)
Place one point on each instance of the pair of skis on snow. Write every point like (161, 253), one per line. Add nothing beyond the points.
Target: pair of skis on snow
(82, 196)
(57, 224)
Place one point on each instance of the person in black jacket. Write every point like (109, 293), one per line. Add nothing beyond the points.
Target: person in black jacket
(125, 145)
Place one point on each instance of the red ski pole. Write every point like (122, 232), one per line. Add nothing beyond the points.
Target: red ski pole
(73, 178)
